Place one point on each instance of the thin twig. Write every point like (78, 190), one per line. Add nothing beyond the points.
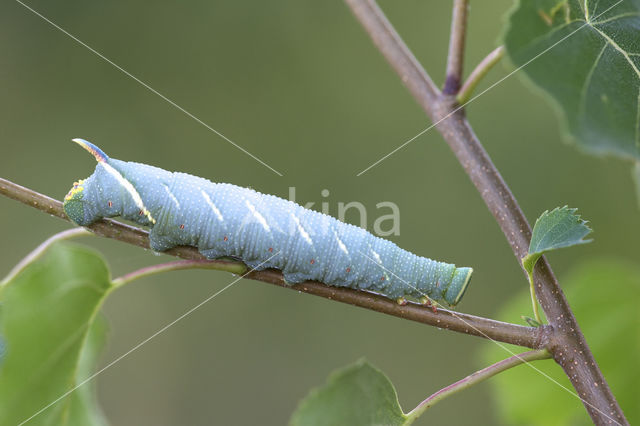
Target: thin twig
(455, 321)
(568, 347)
(478, 74)
(386, 39)
(475, 378)
(455, 59)
(236, 268)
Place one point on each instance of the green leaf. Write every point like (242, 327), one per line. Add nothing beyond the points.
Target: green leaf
(636, 180)
(558, 228)
(359, 394)
(83, 405)
(587, 59)
(52, 338)
(604, 296)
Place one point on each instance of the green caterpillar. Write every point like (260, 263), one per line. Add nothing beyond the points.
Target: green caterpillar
(263, 230)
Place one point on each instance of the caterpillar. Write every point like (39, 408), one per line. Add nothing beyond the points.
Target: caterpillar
(264, 231)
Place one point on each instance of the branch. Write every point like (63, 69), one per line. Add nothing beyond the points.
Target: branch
(478, 74)
(455, 60)
(475, 378)
(455, 321)
(568, 346)
(236, 268)
(390, 44)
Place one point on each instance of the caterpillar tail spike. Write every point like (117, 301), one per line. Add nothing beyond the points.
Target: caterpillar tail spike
(99, 155)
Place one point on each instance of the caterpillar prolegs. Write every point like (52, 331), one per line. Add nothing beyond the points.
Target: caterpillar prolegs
(264, 231)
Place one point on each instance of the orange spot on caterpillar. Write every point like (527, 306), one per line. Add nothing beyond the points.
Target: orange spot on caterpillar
(181, 226)
(225, 238)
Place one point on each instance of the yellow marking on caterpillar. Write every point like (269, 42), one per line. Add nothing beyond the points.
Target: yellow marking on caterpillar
(77, 188)
(129, 188)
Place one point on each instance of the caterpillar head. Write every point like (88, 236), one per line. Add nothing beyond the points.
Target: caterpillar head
(78, 204)
(73, 204)
(106, 193)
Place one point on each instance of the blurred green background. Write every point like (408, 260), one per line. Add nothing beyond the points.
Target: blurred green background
(299, 85)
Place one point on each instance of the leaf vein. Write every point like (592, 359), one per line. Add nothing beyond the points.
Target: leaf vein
(613, 18)
(549, 35)
(587, 82)
(595, 6)
(619, 49)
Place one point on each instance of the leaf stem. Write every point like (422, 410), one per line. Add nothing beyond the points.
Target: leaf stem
(530, 337)
(635, 172)
(475, 378)
(478, 74)
(455, 59)
(233, 267)
(534, 300)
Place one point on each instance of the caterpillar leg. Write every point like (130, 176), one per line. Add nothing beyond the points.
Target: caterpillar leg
(426, 301)
(291, 278)
(159, 242)
(213, 253)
